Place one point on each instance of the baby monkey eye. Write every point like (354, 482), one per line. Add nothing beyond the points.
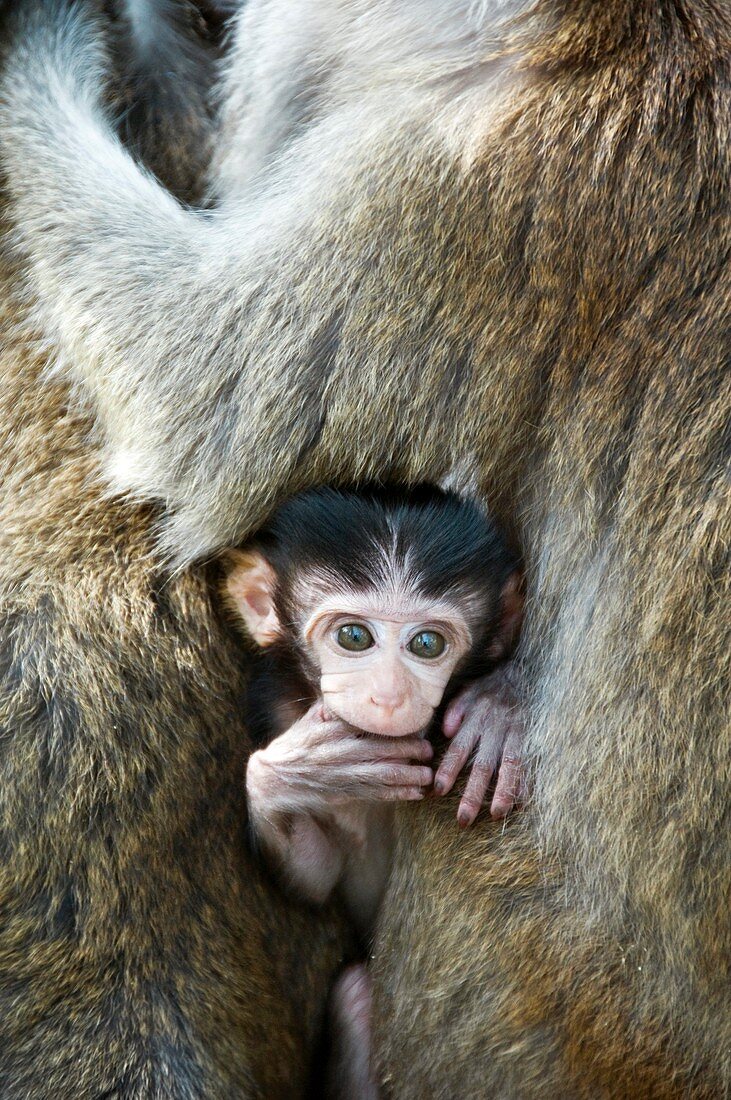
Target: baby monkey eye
(354, 637)
(427, 643)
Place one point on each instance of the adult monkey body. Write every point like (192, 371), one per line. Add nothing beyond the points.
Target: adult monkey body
(526, 259)
(142, 951)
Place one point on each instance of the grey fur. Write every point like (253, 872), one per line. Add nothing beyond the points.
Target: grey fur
(216, 284)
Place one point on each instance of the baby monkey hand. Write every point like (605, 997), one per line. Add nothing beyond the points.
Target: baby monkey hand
(320, 762)
(485, 722)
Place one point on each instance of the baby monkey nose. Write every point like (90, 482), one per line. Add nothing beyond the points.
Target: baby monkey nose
(388, 701)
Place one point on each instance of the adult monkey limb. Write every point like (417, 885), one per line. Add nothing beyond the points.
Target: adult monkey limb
(225, 263)
(142, 952)
(543, 281)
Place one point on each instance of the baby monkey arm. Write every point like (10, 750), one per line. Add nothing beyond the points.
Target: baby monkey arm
(301, 787)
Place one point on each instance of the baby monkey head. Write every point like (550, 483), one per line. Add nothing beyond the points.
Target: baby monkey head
(386, 597)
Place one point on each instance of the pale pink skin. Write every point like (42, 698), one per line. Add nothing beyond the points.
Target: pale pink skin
(320, 767)
(318, 797)
(320, 764)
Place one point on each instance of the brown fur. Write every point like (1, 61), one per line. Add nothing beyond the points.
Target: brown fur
(556, 303)
(600, 964)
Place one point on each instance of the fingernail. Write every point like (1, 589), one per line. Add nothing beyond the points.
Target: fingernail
(439, 786)
(463, 819)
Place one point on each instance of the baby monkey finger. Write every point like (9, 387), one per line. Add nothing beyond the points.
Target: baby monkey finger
(377, 780)
(395, 748)
(510, 787)
(474, 792)
(456, 756)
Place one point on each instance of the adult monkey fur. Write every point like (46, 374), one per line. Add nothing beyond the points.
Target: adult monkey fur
(142, 952)
(515, 241)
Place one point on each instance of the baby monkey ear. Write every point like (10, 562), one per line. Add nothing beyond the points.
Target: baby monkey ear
(249, 589)
(510, 617)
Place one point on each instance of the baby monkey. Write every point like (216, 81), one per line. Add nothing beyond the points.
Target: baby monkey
(373, 609)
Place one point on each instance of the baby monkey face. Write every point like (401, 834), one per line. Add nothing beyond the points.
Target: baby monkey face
(384, 669)
(377, 598)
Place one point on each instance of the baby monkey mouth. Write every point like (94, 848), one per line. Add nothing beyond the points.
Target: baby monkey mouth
(388, 731)
(330, 714)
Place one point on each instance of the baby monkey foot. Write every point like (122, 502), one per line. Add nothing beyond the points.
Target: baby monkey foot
(485, 723)
(350, 1074)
